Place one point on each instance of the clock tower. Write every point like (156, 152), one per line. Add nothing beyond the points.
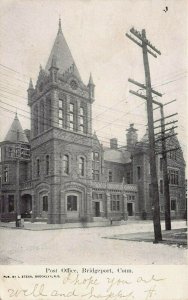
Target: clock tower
(61, 138)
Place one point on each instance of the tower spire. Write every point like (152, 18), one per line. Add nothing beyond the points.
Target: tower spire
(60, 29)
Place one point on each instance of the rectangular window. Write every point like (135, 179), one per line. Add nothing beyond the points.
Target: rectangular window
(71, 116)
(161, 186)
(115, 205)
(173, 176)
(128, 177)
(138, 172)
(45, 203)
(71, 108)
(5, 174)
(81, 119)
(61, 113)
(110, 176)
(10, 203)
(60, 103)
(96, 175)
(38, 167)
(72, 203)
(60, 123)
(173, 204)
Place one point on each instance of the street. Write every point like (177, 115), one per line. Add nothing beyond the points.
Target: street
(87, 246)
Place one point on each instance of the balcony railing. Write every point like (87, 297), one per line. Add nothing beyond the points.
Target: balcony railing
(115, 186)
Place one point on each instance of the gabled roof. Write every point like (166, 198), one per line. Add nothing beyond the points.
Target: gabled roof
(16, 133)
(61, 52)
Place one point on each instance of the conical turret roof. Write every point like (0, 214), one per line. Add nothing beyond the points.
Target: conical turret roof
(62, 54)
(16, 133)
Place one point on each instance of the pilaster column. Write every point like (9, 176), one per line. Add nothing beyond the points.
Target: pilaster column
(78, 115)
(107, 204)
(124, 201)
(88, 204)
(89, 119)
(63, 211)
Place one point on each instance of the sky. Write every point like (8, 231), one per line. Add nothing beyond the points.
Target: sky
(95, 32)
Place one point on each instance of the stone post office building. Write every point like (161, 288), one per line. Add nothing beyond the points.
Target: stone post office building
(59, 171)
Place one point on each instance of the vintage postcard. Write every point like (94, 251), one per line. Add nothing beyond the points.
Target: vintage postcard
(93, 149)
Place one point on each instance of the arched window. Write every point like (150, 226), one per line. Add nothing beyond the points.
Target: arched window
(81, 166)
(66, 164)
(47, 164)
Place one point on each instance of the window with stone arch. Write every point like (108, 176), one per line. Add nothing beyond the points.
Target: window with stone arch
(66, 164)
(36, 118)
(72, 203)
(81, 166)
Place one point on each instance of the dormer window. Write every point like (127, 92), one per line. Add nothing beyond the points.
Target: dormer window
(74, 85)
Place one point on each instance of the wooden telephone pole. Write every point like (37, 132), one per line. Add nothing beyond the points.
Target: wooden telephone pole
(164, 152)
(144, 44)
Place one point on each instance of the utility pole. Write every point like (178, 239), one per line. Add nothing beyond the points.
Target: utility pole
(154, 181)
(165, 162)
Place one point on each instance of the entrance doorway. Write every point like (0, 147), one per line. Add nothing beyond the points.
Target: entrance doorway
(97, 209)
(130, 209)
(26, 206)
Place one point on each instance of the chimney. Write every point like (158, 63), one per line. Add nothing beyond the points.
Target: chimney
(28, 134)
(132, 137)
(113, 143)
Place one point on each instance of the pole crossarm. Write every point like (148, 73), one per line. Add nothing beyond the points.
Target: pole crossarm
(169, 150)
(144, 87)
(137, 94)
(136, 42)
(132, 39)
(165, 104)
(144, 40)
(168, 129)
(165, 137)
(166, 124)
(165, 117)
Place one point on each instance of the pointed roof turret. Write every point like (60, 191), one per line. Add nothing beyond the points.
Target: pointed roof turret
(60, 29)
(54, 62)
(61, 51)
(90, 80)
(31, 84)
(16, 133)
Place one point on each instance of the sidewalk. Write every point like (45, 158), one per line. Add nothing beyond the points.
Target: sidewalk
(170, 237)
(38, 226)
